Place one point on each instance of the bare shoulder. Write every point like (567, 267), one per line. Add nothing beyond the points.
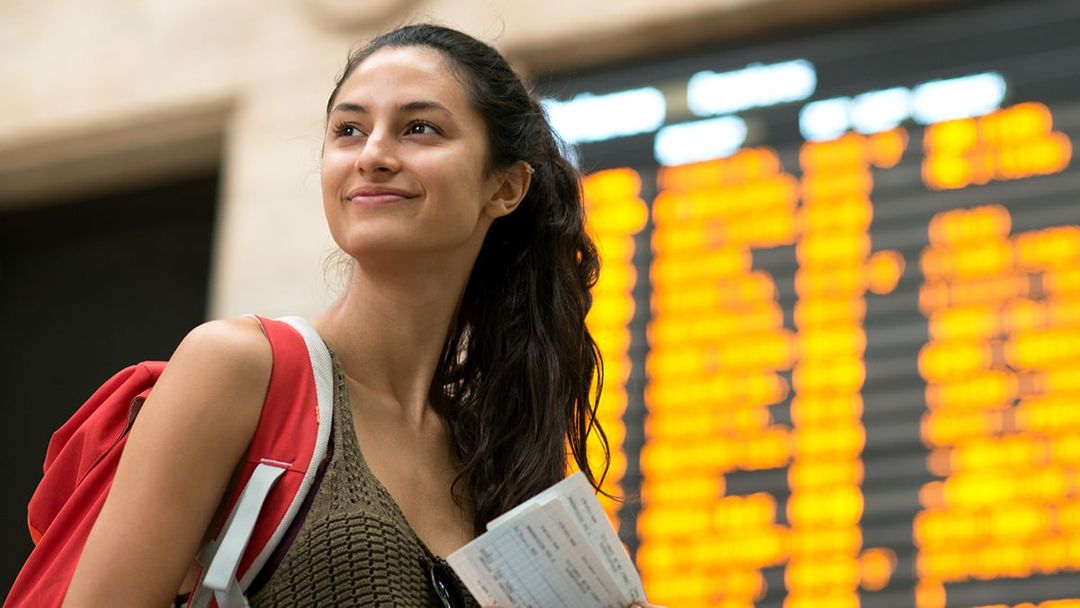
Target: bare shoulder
(220, 370)
(213, 388)
(234, 345)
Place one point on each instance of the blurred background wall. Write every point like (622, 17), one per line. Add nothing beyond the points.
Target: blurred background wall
(159, 167)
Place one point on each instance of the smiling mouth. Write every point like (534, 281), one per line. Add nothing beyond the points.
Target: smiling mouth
(377, 198)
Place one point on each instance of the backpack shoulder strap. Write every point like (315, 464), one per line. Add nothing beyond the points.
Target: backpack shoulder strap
(280, 466)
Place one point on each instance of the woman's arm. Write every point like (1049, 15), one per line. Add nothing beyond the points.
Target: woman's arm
(189, 438)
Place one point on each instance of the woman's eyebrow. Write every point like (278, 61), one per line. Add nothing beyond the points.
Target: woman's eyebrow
(412, 106)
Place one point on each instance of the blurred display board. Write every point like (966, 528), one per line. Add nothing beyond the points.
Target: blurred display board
(840, 310)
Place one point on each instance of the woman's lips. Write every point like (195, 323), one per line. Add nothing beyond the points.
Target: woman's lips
(376, 199)
(377, 196)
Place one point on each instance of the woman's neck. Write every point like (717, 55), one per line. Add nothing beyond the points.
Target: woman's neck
(388, 329)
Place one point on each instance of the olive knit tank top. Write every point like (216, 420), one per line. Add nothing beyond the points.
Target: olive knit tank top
(354, 547)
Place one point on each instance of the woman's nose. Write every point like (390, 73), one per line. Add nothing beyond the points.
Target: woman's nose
(379, 154)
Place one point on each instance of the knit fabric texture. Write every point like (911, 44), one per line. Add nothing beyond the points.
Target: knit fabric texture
(355, 547)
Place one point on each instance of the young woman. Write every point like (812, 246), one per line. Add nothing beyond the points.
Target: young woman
(463, 361)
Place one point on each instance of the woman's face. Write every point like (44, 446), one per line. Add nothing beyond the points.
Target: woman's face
(404, 160)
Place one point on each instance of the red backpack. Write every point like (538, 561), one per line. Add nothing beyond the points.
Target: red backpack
(279, 469)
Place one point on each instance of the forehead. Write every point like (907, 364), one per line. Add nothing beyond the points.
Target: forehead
(404, 74)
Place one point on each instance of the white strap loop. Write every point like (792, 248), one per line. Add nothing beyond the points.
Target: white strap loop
(233, 597)
(221, 575)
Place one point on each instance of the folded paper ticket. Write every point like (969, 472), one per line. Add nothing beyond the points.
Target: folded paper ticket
(555, 549)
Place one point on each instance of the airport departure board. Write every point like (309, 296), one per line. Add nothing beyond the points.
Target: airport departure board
(840, 310)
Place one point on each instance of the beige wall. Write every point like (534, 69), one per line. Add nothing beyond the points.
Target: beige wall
(106, 94)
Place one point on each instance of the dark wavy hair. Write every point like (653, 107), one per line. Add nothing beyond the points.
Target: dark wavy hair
(518, 365)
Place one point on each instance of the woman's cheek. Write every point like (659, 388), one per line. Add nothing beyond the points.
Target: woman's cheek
(336, 167)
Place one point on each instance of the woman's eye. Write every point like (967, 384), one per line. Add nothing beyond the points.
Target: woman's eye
(347, 130)
(422, 128)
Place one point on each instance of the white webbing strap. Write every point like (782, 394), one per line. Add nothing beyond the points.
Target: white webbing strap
(229, 590)
(220, 576)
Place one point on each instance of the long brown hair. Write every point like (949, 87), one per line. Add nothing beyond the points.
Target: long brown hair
(515, 377)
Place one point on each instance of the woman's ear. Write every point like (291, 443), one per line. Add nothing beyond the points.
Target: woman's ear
(509, 187)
